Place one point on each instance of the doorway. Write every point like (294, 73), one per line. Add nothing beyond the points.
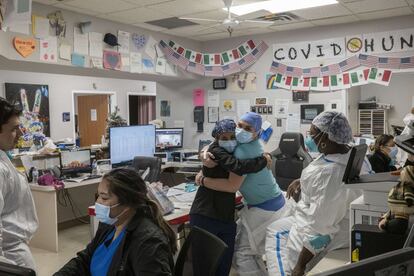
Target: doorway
(91, 113)
(142, 109)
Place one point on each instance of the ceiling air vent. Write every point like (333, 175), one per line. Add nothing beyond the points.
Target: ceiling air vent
(285, 17)
(171, 23)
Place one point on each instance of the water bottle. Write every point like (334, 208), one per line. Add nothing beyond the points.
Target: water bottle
(94, 168)
(35, 175)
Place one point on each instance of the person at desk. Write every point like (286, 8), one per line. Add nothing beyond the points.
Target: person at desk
(18, 219)
(132, 239)
(214, 210)
(385, 153)
(319, 218)
(264, 201)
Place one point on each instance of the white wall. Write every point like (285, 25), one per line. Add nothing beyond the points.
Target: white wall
(399, 94)
(60, 93)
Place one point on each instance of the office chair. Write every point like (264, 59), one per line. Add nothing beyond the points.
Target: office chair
(141, 163)
(289, 159)
(200, 255)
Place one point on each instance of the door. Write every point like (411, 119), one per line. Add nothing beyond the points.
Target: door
(92, 114)
(141, 109)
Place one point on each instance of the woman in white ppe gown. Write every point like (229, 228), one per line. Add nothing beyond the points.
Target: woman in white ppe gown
(18, 220)
(319, 220)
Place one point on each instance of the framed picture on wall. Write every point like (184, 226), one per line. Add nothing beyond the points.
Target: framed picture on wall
(260, 101)
(300, 96)
(213, 114)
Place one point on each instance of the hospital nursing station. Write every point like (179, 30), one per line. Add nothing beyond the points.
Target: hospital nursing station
(247, 137)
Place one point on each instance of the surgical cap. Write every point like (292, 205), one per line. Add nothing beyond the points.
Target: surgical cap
(226, 125)
(336, 125)
(253, 119)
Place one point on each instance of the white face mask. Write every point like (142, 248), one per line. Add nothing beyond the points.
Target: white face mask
(102, 213)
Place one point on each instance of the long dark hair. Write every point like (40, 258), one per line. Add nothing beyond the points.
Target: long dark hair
(382, 140)
(131, 191)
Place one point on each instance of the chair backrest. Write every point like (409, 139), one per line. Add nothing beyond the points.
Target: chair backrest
(200, 255)
(290, 159)
(14, 270)
(141, 163)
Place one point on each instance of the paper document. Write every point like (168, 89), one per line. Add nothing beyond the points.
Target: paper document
(95, 44)
(213, 98)
(293, 122)
(80, 42)
(123, 40)
(48, 49)
(40, 27)
(135, 62)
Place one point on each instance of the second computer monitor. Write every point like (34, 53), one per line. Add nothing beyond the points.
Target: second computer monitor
(169, 138)
(73, 162)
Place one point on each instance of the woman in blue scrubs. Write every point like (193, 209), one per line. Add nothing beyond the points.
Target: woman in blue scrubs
(132, 239)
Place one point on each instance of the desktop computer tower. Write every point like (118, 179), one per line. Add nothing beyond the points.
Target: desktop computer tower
(368, 241)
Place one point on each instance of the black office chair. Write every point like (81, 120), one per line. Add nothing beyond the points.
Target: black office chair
(141, 163)
(200, 255)
(289, 159)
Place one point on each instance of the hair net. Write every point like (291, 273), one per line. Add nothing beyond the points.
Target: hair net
(226, 125)
(336, 125)
(253, 119)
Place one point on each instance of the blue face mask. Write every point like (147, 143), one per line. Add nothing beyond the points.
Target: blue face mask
(243, 136)
(229, 145)
(102, 213)
(393, 155)
(311, 145)
(9, 155)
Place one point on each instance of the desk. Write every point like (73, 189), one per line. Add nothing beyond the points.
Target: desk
(45, 198)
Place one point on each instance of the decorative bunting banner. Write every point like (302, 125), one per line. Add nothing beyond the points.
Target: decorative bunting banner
(337, 76)
(214, 64)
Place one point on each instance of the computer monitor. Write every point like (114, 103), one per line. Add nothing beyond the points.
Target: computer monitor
(74, 162)
(14, 270)
(203, 143)
(356, 159)
(398, 262)
(169, 138)
(127, 142)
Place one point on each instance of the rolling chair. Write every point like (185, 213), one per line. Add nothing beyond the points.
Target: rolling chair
(200, 255)
(289, 159)
(141, 163)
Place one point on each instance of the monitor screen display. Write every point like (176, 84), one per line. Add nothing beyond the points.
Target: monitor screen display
(166, 138)
(127, 142)
(311, 113)
(72, 160)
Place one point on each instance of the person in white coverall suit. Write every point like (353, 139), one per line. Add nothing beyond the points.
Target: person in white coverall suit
(319, 220)
(18, 219)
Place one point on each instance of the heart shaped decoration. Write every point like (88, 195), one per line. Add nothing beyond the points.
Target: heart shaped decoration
(112, 60)
(24, 46)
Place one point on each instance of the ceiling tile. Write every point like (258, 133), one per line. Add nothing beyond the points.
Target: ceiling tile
(101, 6)
(374, 5)
(146, 2)
(218, 14)
(385, 13)
(293, 26)
(182, 7)
(149, 27)
(76, 9)
(136, 15)
(192, 30)
(336, 20)
(322, 12)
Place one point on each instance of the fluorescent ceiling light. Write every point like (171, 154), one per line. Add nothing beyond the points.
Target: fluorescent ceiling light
(278, 6)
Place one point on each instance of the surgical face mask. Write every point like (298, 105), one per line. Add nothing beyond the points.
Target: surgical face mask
(9, 155)
(102, 213)
(393, 152)
(229, 145)
(311, 145)
(243, 136)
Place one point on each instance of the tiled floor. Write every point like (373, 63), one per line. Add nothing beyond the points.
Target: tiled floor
(74, 239)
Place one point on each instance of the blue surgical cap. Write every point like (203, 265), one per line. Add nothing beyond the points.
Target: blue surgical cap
(226, 125)
(336, 125)
(253, 119)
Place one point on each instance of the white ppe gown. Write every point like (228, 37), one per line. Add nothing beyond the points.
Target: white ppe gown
(18, 219)
(320, 218)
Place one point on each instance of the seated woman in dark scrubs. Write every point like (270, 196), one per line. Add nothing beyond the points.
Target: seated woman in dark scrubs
(132, 239)
(385, 153)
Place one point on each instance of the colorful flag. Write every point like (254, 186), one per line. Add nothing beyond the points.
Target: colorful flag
(300, 84)
(171, 43)
(319, 83)
(389, 63)
(213, 71)
(278, 67)
(180, 50)
(349, 63)
(188, 54)
(344, 81)
(179, 60)
(330, 69)
(380, 76)
(368, 60)
(217, 59)
(312, 72)
(242, 50)
(285, 82)
(260, 49)
(279, 80)
(195, 68)
(230, 68)
(225, 57)
(251, 44)
(359, 77)
(198, 58)
(235, 53)
(249, 60)
(339, 82)
(407, 62)
(206, 59)
(294, 71)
